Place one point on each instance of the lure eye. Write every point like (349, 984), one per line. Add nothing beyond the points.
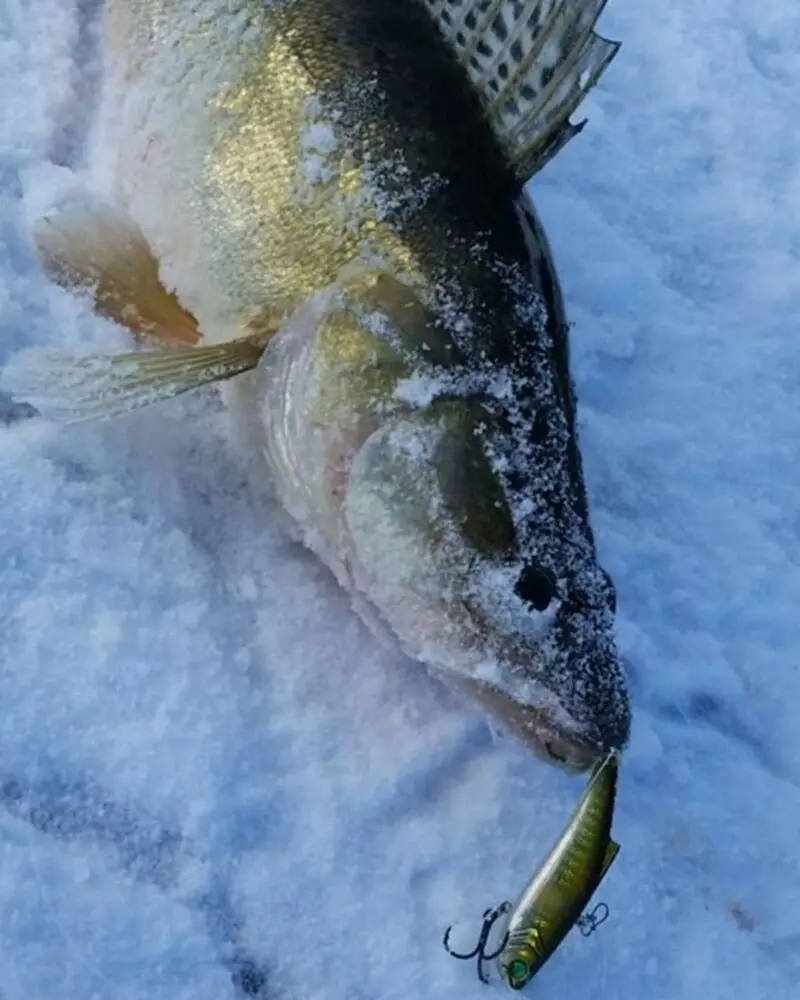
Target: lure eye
(518, 973)
(536, 586)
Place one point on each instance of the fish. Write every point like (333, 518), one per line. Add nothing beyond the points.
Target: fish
(554, 899)
(319, 207)
(556, 896)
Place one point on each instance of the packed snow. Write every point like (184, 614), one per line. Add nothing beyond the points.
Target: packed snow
(214, 782)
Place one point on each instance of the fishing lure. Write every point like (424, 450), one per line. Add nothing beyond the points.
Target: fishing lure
(555, 898)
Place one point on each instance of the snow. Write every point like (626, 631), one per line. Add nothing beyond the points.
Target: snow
(213, 780)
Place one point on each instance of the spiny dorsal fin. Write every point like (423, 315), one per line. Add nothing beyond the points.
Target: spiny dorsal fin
(532, 62)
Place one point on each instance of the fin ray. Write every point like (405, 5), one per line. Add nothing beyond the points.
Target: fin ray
(74, 388)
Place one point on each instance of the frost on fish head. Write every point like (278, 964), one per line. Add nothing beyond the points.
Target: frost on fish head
(389, 465)
(435, 549)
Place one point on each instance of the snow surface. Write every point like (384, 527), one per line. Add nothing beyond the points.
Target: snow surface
(214, 782)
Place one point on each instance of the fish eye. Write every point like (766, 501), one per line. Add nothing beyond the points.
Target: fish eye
(518, 973)
(536, 586)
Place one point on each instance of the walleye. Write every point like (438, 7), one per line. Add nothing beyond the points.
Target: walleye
(555, 898)
(330, 193)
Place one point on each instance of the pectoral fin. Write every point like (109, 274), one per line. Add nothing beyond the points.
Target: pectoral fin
(70, 388)
(97, 250)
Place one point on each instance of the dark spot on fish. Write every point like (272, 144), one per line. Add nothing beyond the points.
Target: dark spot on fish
(536, 586)
(547, 75)
(499, 28)
(539, 428)
(515, 480)
(382, 58)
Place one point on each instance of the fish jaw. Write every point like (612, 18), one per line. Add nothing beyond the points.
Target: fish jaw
(540, 729)
(565, 701)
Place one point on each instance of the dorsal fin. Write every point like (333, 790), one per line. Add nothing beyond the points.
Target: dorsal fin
(532, 63)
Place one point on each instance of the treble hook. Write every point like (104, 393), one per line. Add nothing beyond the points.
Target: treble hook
(490, 918)
(589, 922)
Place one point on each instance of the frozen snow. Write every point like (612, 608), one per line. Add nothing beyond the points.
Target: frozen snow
(214, 781)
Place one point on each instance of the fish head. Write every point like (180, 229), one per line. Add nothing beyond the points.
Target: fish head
(519, 618)
(487, 576)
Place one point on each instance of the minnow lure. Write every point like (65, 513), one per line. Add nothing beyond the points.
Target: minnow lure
(555, 898)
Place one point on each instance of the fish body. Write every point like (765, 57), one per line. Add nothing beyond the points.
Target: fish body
(556, 896)
(332, 192)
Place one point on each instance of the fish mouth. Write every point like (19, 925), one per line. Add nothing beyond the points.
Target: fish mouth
(536, 727)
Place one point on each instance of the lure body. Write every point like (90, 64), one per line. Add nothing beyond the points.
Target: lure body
(558, 893)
